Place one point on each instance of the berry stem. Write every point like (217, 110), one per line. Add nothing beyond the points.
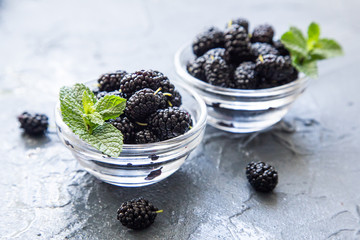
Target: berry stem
(160, 211)
(158, 90)
(141, 124)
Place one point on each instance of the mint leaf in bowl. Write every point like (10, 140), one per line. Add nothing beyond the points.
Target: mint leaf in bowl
(86, 116)
(305, 52)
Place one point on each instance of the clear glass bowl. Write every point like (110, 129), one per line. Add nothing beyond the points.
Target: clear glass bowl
(240, 110)
(139, 164)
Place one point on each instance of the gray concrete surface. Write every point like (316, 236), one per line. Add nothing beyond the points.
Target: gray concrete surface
(46, 195)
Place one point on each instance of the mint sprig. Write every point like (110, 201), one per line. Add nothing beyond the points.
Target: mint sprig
(86, 116)
(305, 52)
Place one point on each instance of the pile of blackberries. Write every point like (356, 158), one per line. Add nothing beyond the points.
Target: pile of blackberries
(152, 110)
(234, 58)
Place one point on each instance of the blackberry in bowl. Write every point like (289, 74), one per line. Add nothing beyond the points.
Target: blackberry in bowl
(159, 131)
(248, 84)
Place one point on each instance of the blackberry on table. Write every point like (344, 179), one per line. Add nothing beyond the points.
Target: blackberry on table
(244, 76)
(237, 44)
(211, 38)
(239, 21)
(137, 214)
(281, 48)
(142, 103)
(217, 71)
(111, 81)
(145, 136)
(138, 80)
(262, 49)
(33, 124)
(126, 127)
(170, 122)
(274, 69)
(262, 177)
(263, 33)
(104, 93)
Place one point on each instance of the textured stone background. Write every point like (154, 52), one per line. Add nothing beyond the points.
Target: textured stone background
(46, 195)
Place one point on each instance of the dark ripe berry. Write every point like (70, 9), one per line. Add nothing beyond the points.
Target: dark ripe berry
(281, 48)
(211, 38)
(170, 122)
(142, 103)
(126, 127)
(145, 136)
(195, 68)
(217, 71)
(137, 214)
(237, 44)
(111, 81)
(113, 93)
(239, 21)
(261, 176)
(138, 80)
(262, 49)
(263, 33)
(175, 100)
(215, 52)
(244, 76)
(274, 70)
(33, 124)
(172, 96)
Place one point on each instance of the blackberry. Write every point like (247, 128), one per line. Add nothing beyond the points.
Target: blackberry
(263, 33)
(170, 122)
(237, 44)
(244, 76)
(217, 71)
(273, 69)
(281, 48)
(261, 176)
(211, 38)
(175, 99)
(239, 21)
(138, 80)
(33, 124)
(195, 68)
(137, 214)
(126, 127)
(169, 96)
(141, 104)
(262, 49)
(111, 81)
(145, 136)
(216, 52)
(104, 93)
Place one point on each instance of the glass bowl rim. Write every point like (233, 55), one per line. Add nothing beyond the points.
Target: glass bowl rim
(131, 149)
(232, 92)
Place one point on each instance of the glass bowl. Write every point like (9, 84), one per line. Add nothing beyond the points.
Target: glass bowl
(139, 164)
(240, 110)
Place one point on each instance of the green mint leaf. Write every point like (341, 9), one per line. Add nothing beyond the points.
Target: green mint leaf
(79, 113)
(105, 138)
(72, 113)
(88, 102)
(78, 90)
(95, 118)
(307, 67)
(295, 42)
(110, 106)
(313, 35)
(327, 48)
